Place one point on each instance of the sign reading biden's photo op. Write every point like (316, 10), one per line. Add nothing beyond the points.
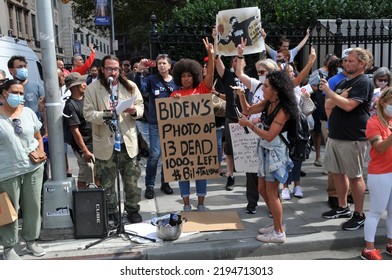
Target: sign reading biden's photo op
(188, 138)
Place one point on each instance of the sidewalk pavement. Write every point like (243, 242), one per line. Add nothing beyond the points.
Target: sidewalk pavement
(306, 229)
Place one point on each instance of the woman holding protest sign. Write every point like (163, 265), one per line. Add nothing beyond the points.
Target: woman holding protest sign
(279, 105)
(20, 177)
(188, 74)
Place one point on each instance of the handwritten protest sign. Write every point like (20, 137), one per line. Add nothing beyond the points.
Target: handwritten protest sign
(234, 24)
(244, 149)
(188, 137)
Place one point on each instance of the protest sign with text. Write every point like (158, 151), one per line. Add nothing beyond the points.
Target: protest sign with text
(188, 137)
(244, 149)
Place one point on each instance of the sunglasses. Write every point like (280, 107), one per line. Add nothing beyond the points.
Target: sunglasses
(382, 80)
(17, 128)
(261, 72)
(4, 81)
(126, 65)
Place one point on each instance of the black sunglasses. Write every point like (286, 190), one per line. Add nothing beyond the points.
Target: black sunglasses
(17, 128)
(262, 72)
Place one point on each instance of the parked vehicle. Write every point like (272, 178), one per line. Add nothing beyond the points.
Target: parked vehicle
(10, 46)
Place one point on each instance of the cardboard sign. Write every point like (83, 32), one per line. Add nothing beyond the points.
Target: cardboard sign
(7, 211)
(187, 134)
(234, 24)
(244, 149)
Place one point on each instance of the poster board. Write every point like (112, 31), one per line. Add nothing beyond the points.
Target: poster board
(187, 133)
(233, 24)
(244, 149)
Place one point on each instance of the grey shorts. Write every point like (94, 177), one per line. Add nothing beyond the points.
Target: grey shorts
(345, 157)
(86, 170)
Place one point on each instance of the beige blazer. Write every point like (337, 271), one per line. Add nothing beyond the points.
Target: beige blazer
(95, 102)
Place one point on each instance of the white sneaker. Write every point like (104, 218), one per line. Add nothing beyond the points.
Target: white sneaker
(187, 208)
(286, 194)
(10, 254)
(35, 249)
(272, 237)
(297, 192)
(270, 228)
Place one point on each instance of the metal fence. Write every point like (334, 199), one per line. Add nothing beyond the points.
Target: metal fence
(327, 36)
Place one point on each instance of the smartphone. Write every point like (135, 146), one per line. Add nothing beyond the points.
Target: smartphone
(237, 111)
(150, 63)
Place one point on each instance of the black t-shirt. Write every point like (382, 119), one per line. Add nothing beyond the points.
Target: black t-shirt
(74, 109)
(351, 125)
(230, 79)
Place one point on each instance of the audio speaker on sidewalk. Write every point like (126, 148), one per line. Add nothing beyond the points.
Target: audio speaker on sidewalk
(89, 213)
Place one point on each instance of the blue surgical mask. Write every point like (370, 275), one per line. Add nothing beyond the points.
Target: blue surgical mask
(22, 74)
(388, 110)
(340, 69)
(14, 99)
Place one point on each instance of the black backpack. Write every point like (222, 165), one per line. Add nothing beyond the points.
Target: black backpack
(68, 137)
(298, 135)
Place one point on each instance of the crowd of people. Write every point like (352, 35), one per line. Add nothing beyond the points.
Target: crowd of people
(352, 117)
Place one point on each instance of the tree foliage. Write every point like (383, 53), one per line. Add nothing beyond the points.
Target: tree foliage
(132, 17)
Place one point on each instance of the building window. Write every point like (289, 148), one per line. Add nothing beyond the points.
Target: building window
(34, 27)
(75, 34)
(82, 38)
(56, 32)
(18, 21)
(26, 22)
(10, 16)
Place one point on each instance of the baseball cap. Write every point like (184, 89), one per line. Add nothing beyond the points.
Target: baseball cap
(345, 52)
(74, 79)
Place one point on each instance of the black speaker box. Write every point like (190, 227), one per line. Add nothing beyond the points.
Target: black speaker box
(89, 213)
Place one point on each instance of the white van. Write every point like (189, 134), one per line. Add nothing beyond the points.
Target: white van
(10, 46)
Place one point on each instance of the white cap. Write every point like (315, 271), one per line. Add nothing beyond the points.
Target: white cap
(345, 52)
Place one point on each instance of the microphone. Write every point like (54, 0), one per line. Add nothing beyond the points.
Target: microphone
(110, 81)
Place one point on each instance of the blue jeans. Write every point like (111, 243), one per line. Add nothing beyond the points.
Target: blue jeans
(219, 135)
(155, 154)
(295, 173)
(142, 127)
(201, 188)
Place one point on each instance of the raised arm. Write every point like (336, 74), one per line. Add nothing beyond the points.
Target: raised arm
(305, 71)
(209, 78)
(239, 70)
(304, 40)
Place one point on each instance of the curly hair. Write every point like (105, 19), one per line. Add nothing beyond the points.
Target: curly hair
(188, 65)
(281, 82)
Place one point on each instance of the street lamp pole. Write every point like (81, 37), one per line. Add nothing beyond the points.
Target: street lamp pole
(112, 19)
(58, 189)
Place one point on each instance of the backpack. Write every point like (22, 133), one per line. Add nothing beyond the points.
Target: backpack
(298, 135)
(68, 137)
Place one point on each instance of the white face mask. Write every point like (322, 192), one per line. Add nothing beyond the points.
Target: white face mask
(262, 79)
(388, 110)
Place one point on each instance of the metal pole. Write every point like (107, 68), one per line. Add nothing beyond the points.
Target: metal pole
(112, 19)
(239, 4)
(57, 191)
(52, 96)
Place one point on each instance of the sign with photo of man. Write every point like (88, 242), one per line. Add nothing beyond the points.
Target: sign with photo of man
(234, 24)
